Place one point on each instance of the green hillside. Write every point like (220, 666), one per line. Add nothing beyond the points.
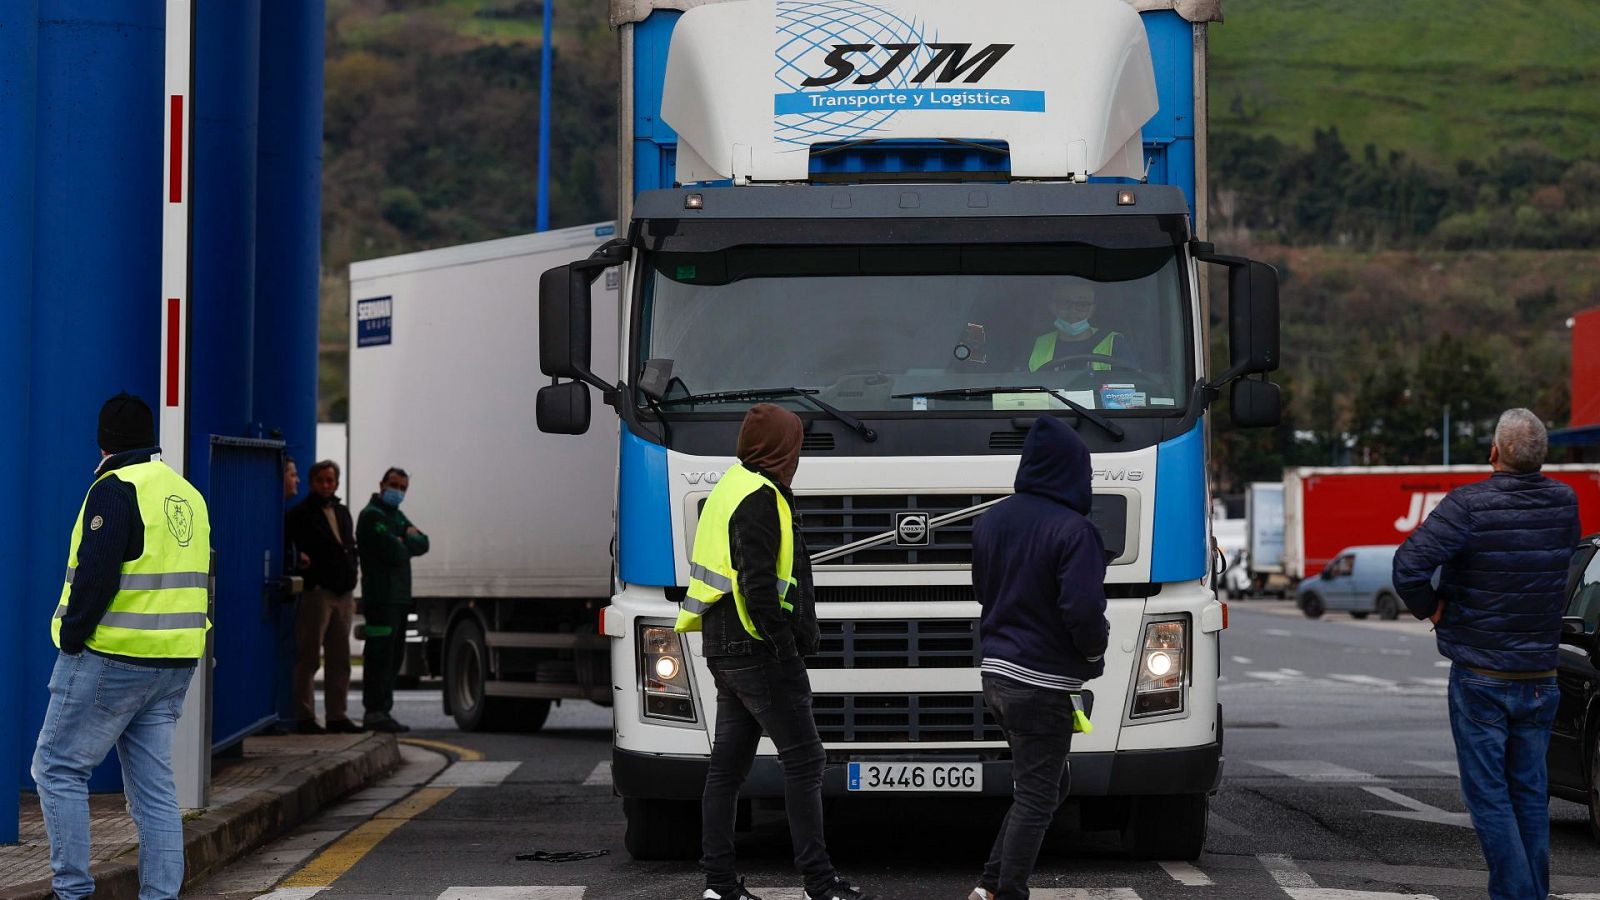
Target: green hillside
(1440, 81)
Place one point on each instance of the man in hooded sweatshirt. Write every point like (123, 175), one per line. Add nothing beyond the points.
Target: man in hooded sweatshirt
(751, 596)
(1038, 568)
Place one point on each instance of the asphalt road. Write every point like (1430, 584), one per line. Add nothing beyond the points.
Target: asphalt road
(1340, 784)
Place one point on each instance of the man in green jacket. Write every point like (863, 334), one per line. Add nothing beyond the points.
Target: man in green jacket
(386, 540)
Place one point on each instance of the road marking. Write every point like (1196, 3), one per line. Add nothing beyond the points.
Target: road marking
(1442, 664)
(1416, 810)
(341, 856)
(1186, 874)
(1278, 632)
(1228, 827)
(1242, 660)
(459, 752)
(1315, 771)
(601, 776)
(1301, 886)
(790, 892)
(1371, 680)
(1444, 766)
(476, 774)
(305, 893)
(1279, 676)
(516, 892)
(1433, 682)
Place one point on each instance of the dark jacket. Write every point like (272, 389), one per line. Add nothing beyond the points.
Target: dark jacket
(753, 540)
(1504, 545)
(386, 552)
(102, 550)
(333, 562)
(1039, 566)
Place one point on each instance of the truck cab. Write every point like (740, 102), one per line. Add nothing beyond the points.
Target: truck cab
(919, 245)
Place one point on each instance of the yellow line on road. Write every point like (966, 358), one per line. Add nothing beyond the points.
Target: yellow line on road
(466, 754)
(342, 855)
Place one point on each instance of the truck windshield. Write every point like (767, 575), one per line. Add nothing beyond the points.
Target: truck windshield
(901, 328)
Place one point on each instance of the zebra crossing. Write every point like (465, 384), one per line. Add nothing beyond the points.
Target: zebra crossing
(1337, 682)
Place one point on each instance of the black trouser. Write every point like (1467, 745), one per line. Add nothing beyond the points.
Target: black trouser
(1038, 726)
(756, 694)
(385, 651)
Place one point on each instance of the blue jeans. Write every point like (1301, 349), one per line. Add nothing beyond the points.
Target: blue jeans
(95, 704)
(1502, 730)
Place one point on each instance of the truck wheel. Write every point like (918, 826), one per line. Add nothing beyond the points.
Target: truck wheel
(1311, 605)
(466, 672)
(1388, 606)
(1594, 786)
(662, 829)
(1167, 828)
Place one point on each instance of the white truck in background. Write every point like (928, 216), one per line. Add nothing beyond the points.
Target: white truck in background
(443, 365)
(1263, 514)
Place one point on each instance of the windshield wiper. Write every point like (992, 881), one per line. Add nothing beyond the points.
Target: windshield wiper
(1110, 427)
(851, 422)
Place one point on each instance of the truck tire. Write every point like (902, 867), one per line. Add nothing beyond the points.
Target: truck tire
(1311, 605)
(1167, 828)
(662, 829)
(467, 671)
(1388, 606)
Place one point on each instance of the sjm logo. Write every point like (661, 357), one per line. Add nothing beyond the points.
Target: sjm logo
(951, 57)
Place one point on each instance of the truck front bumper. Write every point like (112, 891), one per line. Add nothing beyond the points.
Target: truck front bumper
(1182, 770)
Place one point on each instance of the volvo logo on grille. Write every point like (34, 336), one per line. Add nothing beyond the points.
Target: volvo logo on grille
(911, 529)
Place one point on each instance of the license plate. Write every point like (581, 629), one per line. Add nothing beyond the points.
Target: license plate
(927, 777)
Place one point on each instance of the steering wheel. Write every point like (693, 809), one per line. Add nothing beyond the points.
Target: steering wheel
(1065, 362)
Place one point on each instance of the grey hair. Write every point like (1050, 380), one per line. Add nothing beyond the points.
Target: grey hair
(1522, 440)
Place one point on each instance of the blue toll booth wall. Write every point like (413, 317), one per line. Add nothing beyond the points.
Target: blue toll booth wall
(82, 172)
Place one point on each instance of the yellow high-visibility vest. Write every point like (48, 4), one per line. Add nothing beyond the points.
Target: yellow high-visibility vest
(160, 608)
(711, 572)
(1044, 350)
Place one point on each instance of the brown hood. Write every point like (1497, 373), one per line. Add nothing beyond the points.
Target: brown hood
(769, 439)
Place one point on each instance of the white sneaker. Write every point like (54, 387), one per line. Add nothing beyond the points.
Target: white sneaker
(740, 894)
(979, 893)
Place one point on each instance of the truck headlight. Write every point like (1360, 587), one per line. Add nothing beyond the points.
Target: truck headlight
(664, 675)
(1163, 669)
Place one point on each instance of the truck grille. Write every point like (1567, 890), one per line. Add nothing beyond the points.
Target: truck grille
(898, 644)
(833, 520)
(903, 718)
(895, 593)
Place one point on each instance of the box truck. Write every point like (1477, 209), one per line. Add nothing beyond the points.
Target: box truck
(1326, 510)
(519, 522)
(866, 212)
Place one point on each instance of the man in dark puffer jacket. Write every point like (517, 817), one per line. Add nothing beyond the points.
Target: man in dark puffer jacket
(1503, 545)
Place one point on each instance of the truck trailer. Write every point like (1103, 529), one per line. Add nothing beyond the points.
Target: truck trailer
(519, 521)
(1326, 510)
(866, 212)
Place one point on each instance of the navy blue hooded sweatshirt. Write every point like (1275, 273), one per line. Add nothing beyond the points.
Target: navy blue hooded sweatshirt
(1039, 567)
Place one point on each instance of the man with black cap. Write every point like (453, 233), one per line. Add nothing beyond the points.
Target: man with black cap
(131, 623)
(751, 596)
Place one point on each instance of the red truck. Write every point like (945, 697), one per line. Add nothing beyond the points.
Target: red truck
(1327, 510)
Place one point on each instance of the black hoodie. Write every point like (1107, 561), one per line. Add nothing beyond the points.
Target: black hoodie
(1039, 566)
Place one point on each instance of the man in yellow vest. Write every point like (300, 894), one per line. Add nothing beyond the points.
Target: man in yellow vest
(750, 595)
(1073, 305)
(131, 622)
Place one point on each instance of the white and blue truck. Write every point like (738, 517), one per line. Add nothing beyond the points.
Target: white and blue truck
(893, 218)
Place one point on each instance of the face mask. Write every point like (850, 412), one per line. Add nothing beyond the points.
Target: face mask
(1073, 328)
(393, 497)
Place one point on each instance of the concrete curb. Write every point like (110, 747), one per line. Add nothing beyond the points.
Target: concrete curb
(223, 834)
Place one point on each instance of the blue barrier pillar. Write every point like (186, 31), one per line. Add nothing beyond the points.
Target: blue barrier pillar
(289, 225)
(223, 261)
(19, 57)
(96, 318)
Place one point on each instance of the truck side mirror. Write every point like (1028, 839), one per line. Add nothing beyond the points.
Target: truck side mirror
(564, 324)
(1575, 633)
(563, 408)
(1253, 317)
(1255, 403)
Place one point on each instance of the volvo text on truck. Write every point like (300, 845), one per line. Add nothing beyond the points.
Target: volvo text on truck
(870, 213)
